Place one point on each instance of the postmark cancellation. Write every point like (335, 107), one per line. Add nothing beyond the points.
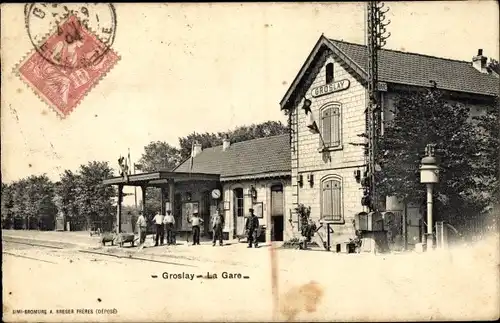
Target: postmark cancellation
(65, 65)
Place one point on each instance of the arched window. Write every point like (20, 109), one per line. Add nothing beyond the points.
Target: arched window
(329, 73)
(330, 124)
(238, 201)
(331, 199)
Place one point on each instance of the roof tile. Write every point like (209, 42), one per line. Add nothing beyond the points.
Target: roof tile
(418, 70)
(251, 157)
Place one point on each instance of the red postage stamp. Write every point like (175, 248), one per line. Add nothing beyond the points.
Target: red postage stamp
(67, 65)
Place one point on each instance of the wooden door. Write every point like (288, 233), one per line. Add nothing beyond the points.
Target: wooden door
(205, 212)
(238, 212)
(277, 213)
(413, 221)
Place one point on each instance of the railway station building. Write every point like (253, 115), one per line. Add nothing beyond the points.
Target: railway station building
(316, 164)
(325, 165)
(233, 177)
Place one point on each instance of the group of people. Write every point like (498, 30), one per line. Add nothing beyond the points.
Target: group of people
(162, 223)
(167, 223)
(217, 225)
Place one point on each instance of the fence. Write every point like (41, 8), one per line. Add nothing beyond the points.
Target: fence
(44, 223)
(474, 229)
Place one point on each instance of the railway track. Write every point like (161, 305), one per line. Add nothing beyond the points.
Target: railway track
(131, 257)
(31, 244)
(27, 257)
(103, 254)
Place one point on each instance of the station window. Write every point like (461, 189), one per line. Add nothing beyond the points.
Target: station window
(330, 125)
(331, 200)
(238, 201)
(329, 73)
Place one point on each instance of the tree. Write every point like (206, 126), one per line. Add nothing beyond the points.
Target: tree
(494, 66)
(93, 199)
(38, 200)
(158, 155)
(7, 205)
(242, 133)
(254, 131)
(464, 151)
(489, 141)
(18, 203)
(67, 190)
(205, 139)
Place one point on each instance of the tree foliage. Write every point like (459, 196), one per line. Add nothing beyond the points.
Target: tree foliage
(7, 205)
(33, 202)
(158, 155)
(465, 151)
(94, 200)
(494, 66)
(489, 144)
(67, 193)
(29, 203)
(40, 209)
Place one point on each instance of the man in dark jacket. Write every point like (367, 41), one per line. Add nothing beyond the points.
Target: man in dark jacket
(252, 229)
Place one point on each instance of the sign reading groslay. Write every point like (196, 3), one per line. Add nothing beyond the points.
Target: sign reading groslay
(330, 88)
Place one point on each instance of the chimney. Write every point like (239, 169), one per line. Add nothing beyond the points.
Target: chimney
(225, 143)
(479, 62)
(196, 149)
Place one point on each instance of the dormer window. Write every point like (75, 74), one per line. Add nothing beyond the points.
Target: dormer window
(329, 73)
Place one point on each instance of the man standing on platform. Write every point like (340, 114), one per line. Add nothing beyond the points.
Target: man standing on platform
(252, 229)
(217, 226)
(195, 223)
(160, 231)
(170, 226)
(141, 228)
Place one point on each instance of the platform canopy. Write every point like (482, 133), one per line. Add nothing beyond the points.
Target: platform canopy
(160, 178)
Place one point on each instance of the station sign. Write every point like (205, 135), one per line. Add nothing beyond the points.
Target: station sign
(330, 88)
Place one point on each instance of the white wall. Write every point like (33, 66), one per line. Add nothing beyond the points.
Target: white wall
(342, 162)
(263, 188)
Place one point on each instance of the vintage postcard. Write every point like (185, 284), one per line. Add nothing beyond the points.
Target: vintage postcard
(194, 162)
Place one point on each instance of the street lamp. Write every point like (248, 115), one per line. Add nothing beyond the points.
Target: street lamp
(429, 174)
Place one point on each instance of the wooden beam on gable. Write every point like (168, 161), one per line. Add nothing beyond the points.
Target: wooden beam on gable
(307, 73)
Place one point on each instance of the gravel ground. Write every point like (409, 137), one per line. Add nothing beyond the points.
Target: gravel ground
(461, 284)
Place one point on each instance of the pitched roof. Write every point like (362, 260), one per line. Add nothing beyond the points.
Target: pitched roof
(247, 158)
(418, 70)
(401, 68)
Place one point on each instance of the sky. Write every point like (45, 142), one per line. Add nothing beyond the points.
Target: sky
(204, 67)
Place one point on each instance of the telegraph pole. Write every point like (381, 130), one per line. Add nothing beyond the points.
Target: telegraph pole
(135, 189)
(376, 39)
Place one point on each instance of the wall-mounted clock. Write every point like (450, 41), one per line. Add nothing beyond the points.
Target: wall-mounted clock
(216, 194)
